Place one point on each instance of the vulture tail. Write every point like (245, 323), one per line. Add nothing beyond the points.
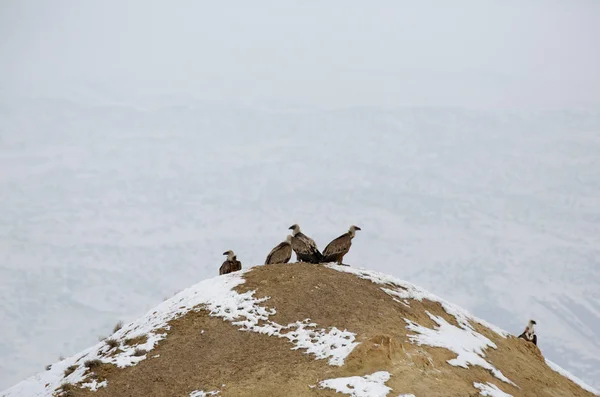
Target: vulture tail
(318, 257)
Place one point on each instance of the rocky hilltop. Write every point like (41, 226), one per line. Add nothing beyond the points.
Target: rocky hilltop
(305, 330)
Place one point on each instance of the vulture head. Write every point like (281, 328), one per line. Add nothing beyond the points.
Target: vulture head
(353, 229)
(295, 229)
(532, 322)
(288, 239)
(230, 254)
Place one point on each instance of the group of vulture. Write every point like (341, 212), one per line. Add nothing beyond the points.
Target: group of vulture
(306, 251)
(305, 248)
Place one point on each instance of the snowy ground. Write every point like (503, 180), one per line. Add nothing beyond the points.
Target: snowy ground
(251, 314)
(360, 386)
(490, 390)
(217, 297)
(108, 210)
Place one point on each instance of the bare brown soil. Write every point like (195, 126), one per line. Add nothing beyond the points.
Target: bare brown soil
(245, 364)
(138, 340)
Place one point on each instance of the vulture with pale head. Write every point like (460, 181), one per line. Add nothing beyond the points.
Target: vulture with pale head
(335, 250)
(281, 253)
(529, 333)
(305, 247)
(231, 264)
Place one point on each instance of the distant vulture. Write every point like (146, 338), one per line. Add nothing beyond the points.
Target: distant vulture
(280, 254)
(305, 248)
(335, 250)
(529, 333)
(231, 264)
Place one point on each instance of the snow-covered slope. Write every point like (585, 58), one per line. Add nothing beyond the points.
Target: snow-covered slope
(453, 329)
(107, 210)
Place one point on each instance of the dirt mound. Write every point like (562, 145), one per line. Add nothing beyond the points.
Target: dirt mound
(309, 330)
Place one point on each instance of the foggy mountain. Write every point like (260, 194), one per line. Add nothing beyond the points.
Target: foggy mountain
(108, 209)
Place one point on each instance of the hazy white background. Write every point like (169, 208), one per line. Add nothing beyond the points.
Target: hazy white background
(140, 140)
(478, 53)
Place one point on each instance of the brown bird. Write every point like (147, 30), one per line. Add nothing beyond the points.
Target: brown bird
(281, 253)
(335, 250)
(529, 333)
(231, 264)
(305, 247)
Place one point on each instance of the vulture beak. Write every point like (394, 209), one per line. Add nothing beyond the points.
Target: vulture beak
(290, 228)
(225, 253)
(357, 228)
(533, 322)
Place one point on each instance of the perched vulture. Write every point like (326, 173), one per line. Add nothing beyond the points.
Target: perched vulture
(281, 253)
(335, 250)
(231, 264)
(529, 333)
(305, 248)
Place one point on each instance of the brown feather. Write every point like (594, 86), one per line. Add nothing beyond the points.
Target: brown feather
(236, 265)
(225, 268)
(335, 250)
(306, 249)
(230, 266)
(280, 254)
(307, 240)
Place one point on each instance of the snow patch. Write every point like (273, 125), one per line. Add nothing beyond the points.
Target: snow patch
(244, 310)
(465, 342)
(200, 393)
(94, 385)
(490, 390)
(360, 386)
(333, 344)
(572, 377)
(403, 290)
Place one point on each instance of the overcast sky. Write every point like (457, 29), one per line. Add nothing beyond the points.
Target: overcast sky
(535, 54)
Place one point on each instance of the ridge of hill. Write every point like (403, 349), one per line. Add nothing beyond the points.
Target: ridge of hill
(307, 330)
(91, 219)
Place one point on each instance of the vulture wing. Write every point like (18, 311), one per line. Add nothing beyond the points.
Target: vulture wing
(225, 268)
(308, 241)
(280, 254)
(306, 249)
(237, 265)
(340, 245)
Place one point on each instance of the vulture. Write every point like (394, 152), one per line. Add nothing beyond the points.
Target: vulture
(281, 253)
(335, 250)
(529, 333)
(231, 264)
(305, 248)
